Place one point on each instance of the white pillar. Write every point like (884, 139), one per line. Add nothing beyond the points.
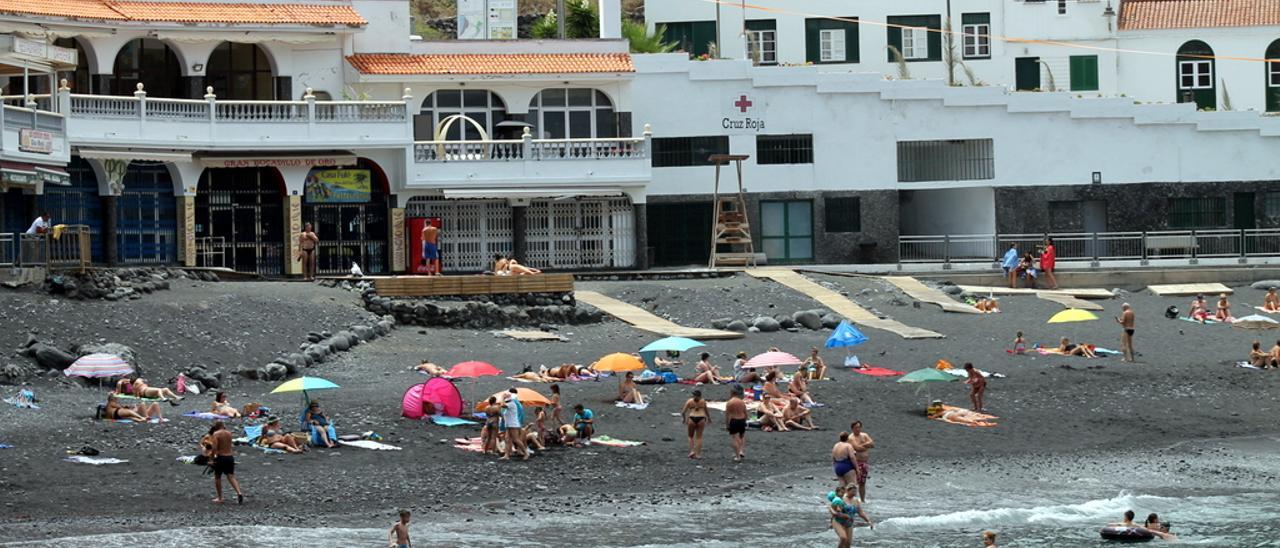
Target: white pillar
(610, 12)
(733, 44)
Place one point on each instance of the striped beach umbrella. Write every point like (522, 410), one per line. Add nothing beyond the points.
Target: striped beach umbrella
(772, 359)
(98, 366)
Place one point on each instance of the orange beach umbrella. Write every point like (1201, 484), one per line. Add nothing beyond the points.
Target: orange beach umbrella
(618, 362)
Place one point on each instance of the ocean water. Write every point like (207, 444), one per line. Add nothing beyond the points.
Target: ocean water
(748, 519)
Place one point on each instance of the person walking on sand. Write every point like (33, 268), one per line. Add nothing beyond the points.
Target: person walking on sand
(224, 462)
(431, 249)
(735, 417)
(977, 387)
(842, 461)
(1126, 320)
(862, 445)
(695, 420)
(400, 532)
(512, 416)
(1048, 262)
(307, 243)
(1010, 264)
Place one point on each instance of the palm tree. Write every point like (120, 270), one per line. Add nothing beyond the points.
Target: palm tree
(643, 41)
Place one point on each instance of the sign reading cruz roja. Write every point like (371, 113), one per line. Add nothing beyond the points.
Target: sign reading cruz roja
(743, 112)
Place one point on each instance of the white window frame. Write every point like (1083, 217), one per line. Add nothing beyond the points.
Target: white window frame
(762, 46)
(915, 43)
(977, 41)
(1274, 73)
(1200, 68)
(831, 46)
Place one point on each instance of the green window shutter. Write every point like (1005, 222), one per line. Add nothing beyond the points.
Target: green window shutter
(934, 22)
(1084, 73)
(811, 40)
(895, 36)
(762, 24)
(974, 19)
(933, 40)
(691, 36)
(851, 41)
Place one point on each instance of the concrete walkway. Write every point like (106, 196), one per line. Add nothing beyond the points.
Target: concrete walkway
(840, 304)
(923, 293)
(642, 319)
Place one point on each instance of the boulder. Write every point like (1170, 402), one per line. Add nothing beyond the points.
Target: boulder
(830, 321)
(721, 323)
(383, 328)
(351, 338)
(951, 289)
(315, 354)
(249, 373)
(51, 357)
(338, 344)
(274, 372)
(737, 325)
(202, 376)
(365, 332)
(753, 329)
(808, 318)
(1266, 284)
(766, 324)
(13, 372)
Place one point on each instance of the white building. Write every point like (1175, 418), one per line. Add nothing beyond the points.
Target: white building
(208, 132)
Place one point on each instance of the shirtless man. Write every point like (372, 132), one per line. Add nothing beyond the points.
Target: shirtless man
(431, 249)
(307, 242)
(735, 418)
(401, 531)
(1126, 321)
(862, 445)
(977, 387)
(796, 416)
(1275, 353)
(1258, 358)
(224, 462)
(798, 388)
(1271, 303)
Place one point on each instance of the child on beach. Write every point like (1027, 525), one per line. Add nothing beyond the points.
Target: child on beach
(1019, 344)
(400, 532)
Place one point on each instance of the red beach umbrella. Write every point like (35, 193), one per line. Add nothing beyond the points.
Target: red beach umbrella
(473, 369)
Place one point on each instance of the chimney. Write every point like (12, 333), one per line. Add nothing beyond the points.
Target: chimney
(610, 19)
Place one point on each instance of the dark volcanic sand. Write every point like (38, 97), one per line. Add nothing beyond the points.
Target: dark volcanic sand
(1184, 389)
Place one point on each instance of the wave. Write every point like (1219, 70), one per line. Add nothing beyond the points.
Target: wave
(1093, 511)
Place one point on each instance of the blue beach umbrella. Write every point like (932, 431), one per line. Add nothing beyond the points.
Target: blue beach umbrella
(845, 335)
(673, 344)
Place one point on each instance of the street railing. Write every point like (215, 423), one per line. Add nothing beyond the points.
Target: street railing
(71, 247)
(1095, 247)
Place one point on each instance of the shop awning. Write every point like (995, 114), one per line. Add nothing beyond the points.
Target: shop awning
(53, 176)
(547, 192)
(131, 155)
(19, 175)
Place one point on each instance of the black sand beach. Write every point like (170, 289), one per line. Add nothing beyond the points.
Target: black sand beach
(1052, 409)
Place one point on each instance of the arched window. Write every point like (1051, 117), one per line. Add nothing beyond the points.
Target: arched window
(576, 113)
(240, 72)
(1272, 67)
(483, 106)
(150, 62)
(1197, 81)
(78, 79)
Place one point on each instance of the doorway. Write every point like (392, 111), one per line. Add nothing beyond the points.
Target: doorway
(786, 230)
(240, 219)
(1093, 217)
(1026, 73)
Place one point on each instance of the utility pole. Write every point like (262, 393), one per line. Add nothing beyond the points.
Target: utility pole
(560, 17)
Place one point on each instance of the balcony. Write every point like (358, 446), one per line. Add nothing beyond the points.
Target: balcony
(31, 133)
(461, 165)
(211, 124)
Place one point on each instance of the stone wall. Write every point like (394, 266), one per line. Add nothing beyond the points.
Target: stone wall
(483, 312)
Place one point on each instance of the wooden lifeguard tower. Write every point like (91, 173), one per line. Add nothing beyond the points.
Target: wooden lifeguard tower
(731, 243)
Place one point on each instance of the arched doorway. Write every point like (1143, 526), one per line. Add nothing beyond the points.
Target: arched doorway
(575, 113)
(483, 106)
(240, 220)
(78, 79)
(348, 210)
(77, 204)
(240, 72)
(1272, 68)
(150, 62)
(147, 216)
(1196, 75)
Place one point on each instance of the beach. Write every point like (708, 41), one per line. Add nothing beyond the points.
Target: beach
(1174, 426)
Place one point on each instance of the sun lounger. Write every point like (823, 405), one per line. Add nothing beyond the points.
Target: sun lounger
(369, 444)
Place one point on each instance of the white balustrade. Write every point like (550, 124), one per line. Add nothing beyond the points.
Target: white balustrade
(106, 106)
(577, 149)
(260, 111)
(538, 149)
(177, 109)
(102, 106)
(360, 111)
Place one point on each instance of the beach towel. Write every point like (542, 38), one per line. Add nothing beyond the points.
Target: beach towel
(614, 442)
(5, 446)
(204, 415)
(1247, 365)
(962, 373)
(136, 398)
(450, 421)
(637, 406)
(984, 420)
(719, 405)
(873, 371)
(81, 459)
(1265, 311)
(368, 444)
(468, 444)
(1207, 320)
(26, 399)
(127, 421)
(1105, 351)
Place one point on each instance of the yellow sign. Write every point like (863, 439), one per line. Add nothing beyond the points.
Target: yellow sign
(338, 186)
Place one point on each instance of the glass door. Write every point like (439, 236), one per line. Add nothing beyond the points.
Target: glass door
(786, 230)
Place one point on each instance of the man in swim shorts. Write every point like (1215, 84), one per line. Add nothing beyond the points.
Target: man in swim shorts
(1126, 321)
(735, 416)
(401, 531)
(224, 462)
(431, 249)
(862, 445)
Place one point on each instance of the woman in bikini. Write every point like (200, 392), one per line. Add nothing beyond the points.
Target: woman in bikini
(221, 407)
(1224, 309)
(1068, 349)
(275, 438)
(695, 421)
(541, 375)
(1019, 344)
(555, 405)
(627, 391)
(141, 390)
(489, 433)
(799, 387)
(705, 373)
(518, 269)
(140, 413)
(844, 506)
(842, 461)
(817, 368)
(770, 416)
(771, 385)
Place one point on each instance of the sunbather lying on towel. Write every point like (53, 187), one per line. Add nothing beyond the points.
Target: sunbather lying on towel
(1067, 349)
(274, 437)
(568, 371)
(987, 306)
(535, 376)
(430, 369)
(224, 408)
(956, 415)
(142, 390)
(141, 412)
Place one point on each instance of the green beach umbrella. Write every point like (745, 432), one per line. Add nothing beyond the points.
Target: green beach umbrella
(927, 375)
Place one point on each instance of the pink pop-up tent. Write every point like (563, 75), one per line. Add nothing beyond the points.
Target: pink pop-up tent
(440, 392)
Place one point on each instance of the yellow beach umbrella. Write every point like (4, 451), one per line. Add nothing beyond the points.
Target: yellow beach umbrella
(618, 362)
(1073, 315)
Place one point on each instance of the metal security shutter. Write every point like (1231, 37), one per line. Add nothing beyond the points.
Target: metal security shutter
(472, 231)
(584, 233)
(147, 217)
(78, 204)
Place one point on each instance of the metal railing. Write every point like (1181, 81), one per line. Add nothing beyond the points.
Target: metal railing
(70, 247)
(1096, 247)
(529, 148)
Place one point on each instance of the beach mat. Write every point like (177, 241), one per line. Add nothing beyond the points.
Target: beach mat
(614, 442)
(82, 459)
(1248, 365)
(984, 418)
(636, 406)
(955, 372)
(5, 446)
(1265, 311)
(450, 421)
(127, 421)
(873, 371)
(204, 415)
(468, 444)
(369, 444)
(20, 403)
(1206, 321)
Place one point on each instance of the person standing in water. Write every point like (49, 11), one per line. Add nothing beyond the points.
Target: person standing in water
(842, 461)
(862, 444)
(1126, 321)
(695, 420)
(735, 416)
(401, 532)
(988, 539)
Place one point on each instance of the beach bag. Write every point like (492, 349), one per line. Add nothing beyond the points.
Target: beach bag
(669, 377)
(182, 384)
(852, 361)
(1171, 312)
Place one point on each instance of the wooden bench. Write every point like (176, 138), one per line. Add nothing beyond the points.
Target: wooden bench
(430, 286)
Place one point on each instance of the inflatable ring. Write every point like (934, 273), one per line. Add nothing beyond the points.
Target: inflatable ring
(1126, 534)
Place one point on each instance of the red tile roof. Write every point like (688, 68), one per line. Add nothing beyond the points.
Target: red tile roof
(188, 12)
(485, 63)
(1181, 14)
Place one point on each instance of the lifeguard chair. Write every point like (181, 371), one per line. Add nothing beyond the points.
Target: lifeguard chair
(731, 243)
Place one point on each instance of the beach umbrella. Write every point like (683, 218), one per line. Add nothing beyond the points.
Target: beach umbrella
(618, 362)
(1256, 321)
(772, 359)
(473, 369)
(303, 384)
(1073, 315)
(526, 397)
(98, 366)
(927, 375)
(672, 344)
(845, 335)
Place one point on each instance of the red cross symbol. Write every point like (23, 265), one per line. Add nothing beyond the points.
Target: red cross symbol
(742, 103)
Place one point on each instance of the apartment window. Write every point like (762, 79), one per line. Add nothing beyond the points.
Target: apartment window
(688, 151)
(976, 28)
(843, 214)
(1274, 72)
(1271, 204)
(1198, 212)
(1062, 7)
(952, 160)
(1197, 74)
(694, 37)
(762, 42)
(574, 113)
(784, 149)
(831, 40)
(482, 106)
(916, 37)
(1084, 73)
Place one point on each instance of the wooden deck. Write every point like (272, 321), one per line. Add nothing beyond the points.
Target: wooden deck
(642, 319)
(1067, 301)
(923, 293)
(1080, 293)
(431, 286)
(1183, 290)
(840, 304)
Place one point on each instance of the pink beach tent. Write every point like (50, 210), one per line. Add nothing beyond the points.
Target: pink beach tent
(440, 392)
